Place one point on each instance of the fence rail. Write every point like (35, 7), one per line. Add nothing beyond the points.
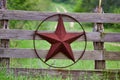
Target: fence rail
(74, 74)
(81, 17)
(98, 38)
(89, 55)
(28, 35)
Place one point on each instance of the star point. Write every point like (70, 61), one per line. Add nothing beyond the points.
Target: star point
(60, 41)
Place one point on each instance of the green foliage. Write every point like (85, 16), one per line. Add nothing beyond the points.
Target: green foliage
(32, 5)
(117, 10)
(89, 5)
(109, 6)
(38, 5)
(85, 5)
(64, 1)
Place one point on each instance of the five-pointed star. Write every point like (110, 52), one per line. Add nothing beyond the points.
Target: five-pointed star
(60, 41)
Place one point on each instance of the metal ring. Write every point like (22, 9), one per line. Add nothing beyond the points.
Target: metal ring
(84, 37)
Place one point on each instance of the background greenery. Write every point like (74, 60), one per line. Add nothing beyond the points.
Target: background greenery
(109, 6)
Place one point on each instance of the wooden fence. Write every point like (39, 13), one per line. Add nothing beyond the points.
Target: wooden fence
(99, 54)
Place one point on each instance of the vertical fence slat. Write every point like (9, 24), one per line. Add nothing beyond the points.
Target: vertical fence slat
(4, 62)
(98, 27)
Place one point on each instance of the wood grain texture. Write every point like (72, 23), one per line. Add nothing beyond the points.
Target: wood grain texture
(4, 43)
(98, 27)
(29, 53)
(89, 55)
(73, 74)
(112, 55)
(111, 37)
(28, 35)
(81, 17)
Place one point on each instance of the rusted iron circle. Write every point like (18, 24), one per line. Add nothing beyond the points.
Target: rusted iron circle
(85, 39)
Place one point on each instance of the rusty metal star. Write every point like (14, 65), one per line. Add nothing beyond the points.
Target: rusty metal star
(60, 41)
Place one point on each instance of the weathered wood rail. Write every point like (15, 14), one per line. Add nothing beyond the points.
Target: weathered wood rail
(89, 55)
(82, 17)
(28, 35)
(74, 74)
(97, 54)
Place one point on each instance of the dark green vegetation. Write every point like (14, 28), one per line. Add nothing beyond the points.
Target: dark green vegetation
(109, 6)
(31, 5)
(112, 6)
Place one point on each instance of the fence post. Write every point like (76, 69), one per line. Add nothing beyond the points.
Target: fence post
(98, 27)
(4, 43)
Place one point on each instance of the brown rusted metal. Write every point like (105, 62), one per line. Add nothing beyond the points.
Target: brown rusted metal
(60, 40)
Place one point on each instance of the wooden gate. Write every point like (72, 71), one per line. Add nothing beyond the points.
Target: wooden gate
(99, 54)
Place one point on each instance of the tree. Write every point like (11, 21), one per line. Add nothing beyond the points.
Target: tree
(89, 5)
(38, 5)
(32, 5)
(109, 6)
